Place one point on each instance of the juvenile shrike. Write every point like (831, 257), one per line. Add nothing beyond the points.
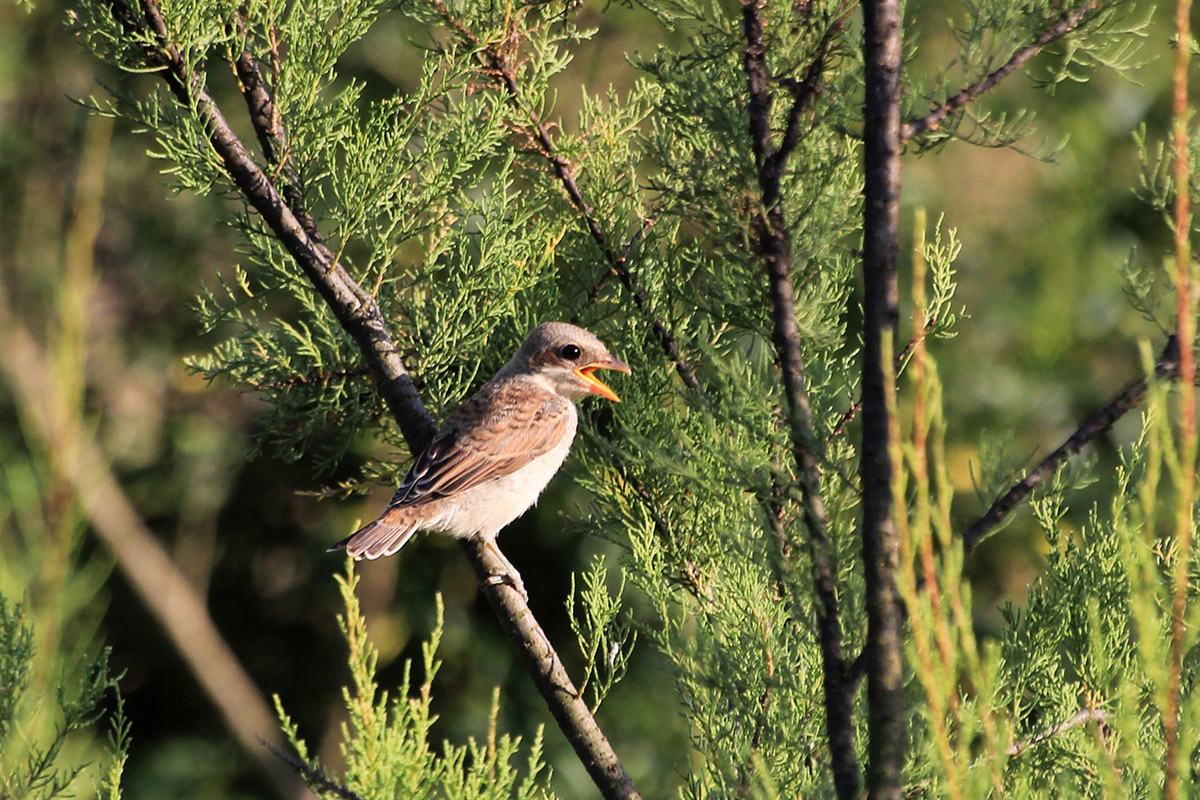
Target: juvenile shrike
(497, 452)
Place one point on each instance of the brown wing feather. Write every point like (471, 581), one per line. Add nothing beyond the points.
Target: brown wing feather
(498, 430)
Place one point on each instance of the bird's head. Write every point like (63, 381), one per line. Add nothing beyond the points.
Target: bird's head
(565, 358)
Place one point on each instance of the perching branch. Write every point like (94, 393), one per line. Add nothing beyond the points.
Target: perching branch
(968, 94)
(884, 649)
(499, 63)
(539, 658)
(773, 244)
(360, 316)
(1124, 401)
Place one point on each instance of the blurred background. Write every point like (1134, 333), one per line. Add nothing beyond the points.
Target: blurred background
(116, 463)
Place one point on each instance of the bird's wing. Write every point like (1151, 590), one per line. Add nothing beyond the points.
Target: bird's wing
(498, 430)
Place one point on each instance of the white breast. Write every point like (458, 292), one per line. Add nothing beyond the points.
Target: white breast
(484, 509)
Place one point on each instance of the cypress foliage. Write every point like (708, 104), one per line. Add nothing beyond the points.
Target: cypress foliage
(676, 220)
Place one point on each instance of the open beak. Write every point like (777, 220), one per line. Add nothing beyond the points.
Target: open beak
(595, 386)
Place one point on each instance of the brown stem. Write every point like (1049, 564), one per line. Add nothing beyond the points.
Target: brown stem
(773, 244)
(1124, 401)
(850, 413)
(271, 133)
(968, 94)
(1185, 480)
(880, 543)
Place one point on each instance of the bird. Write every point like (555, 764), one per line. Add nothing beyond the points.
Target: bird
(493, 456)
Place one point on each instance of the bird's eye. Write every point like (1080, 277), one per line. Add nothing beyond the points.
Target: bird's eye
(569, 351)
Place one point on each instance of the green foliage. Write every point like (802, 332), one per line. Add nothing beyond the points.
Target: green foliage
(386, 740)
(36, 761)
(471, 211)
(606, 638)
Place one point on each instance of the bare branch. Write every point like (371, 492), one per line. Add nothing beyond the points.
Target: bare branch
(772, 240)
(158, 582)
(968, 94)
(1124, 401)
(1081, 717)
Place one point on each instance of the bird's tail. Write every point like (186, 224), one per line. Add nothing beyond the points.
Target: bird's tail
(383, 537)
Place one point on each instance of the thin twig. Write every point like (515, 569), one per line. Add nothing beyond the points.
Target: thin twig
(968, 94)
(773, 244)
(1123, 402)
(849, 414)
(315, 778)
(634, 242)
(322, 378)
(499, 64)
(691, 576)
(1081, 717)
(271, 133)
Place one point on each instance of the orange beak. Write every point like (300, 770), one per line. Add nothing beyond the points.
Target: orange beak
(594, 384)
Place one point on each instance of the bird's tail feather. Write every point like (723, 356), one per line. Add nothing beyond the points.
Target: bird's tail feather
(383, 537)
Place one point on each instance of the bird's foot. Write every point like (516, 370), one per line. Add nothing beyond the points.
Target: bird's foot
(507, 575)
(511, 579)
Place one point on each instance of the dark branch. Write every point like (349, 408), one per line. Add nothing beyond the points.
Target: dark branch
(271, 133)
(316, 778)
(634, 242)
(1123, 402)
(902, 357)
(968, 94)
(884, 649)
(773, 243)
(803, 91)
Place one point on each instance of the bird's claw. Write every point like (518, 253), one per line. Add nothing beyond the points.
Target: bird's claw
(509, 579)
